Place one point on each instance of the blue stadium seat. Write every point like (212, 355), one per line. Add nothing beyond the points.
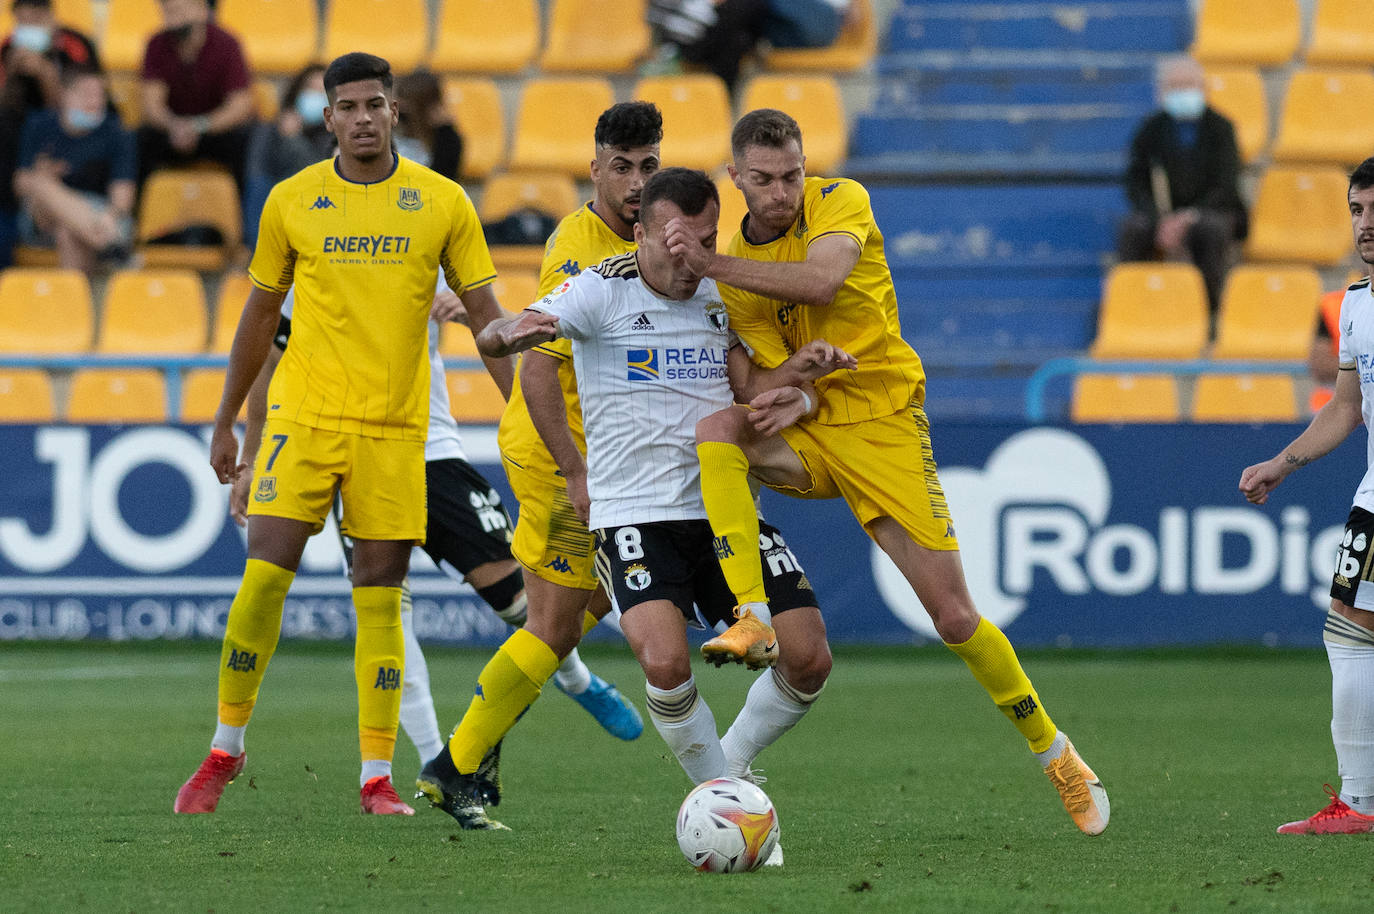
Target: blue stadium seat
(1103, 27)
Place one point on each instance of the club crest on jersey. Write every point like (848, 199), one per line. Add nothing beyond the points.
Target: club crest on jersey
(641, 364)
(409, 199)
(637, 577)
(715, 313)
(267, 489)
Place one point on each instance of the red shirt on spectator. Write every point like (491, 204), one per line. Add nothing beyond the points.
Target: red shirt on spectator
(202, 85)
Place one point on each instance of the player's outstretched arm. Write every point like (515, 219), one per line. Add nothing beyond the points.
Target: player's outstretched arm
(814, 360)
(1329, 427)
(548, 412)
(482, 309)
(252, 438)
(508, 335)
(252, 342)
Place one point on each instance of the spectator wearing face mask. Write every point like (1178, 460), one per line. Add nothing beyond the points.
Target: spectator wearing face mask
(295, 138)
(425, 131)
(1183, 180)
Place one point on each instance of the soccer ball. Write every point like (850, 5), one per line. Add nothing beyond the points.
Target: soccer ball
(727, 825)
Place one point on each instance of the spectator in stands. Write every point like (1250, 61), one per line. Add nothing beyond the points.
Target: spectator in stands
(197, 94)
(32, 58)
(425, 132)
(1183, 180)
(295, 138)
(76, 175)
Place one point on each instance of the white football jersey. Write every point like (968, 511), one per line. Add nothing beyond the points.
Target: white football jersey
(1357, 353)
(648, 368)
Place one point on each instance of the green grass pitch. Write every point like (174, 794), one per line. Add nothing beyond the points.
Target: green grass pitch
(904, 790)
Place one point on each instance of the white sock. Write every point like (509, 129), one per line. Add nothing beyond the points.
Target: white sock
(418, 719)
(760, 611)
(374, 768)
(572, 675)
(772, 708)
(228, 739)
(1350, 651)
(1055, 750)
(686, 724)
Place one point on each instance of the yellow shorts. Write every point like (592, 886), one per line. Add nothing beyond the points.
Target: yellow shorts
(550, 540)
(882, 468)
(381, 480)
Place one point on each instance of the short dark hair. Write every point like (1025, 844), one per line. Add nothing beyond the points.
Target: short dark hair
(690, 190)
(764, 127)
(629, 124)
(356, 67)
(1360, 178)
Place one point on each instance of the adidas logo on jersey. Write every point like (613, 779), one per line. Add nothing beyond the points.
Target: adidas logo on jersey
(642, 323)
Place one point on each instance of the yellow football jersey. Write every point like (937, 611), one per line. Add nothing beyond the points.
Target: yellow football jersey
(364, 259)
(582, 240)
(862, 320)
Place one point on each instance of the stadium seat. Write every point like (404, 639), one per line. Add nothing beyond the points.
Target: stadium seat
(26, 395)
(76, 14)
(128, 26)
(45, 311)
(201, 390)
(1152, 311)
(1238, 92)
(1122, 398)
(1268, 312)
(553, 131)
(1300, 215)
(28, 255)
(517, 289)
(1244, 398)
(550, 193)
(125, 92)
(485, 36)
(278, 36)
(395, 29)
(266, 99)
(176, 199)
(1241, 31)
(153, 312)
(233, 292)
(475, 105)
(595, 36)
(1310, 131)
(1342, 33)
(816, 105)
(852, 50)
(474, 397)
(733, 209)
(696, 118)
(117, 395)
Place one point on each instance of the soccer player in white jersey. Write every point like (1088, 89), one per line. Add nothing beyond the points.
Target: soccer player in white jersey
(1349, 631)
(653, 351)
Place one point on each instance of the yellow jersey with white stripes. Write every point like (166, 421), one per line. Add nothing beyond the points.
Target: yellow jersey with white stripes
(862, 319)
(581, 241)
(363, 259)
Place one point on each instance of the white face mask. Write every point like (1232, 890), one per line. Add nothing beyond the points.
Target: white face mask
(36, 38)
(310, 105)
(1184, 104)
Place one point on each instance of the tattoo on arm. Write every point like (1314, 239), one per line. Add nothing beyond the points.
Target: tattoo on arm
(1295, 461)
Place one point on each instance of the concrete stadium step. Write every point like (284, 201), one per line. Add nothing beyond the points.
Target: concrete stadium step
(908, 80)
(1161, 26)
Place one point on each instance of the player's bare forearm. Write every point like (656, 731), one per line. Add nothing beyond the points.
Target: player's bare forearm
(814, 360)
(813, 281)
(1333, 424)
(544, 399)
(257, 407)
(252, 342)
(509, 335)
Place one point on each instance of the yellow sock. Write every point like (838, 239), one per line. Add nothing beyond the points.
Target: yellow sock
(250, 637)
(589, 622)
(993, 661)
(734, 520)
(508, 684)
(379, 667)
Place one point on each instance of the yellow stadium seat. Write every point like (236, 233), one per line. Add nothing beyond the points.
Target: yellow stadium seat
(45, 311)
(201, 390)
(27, 255)
(1122, 398)
(1300, 215)
(176, 199)
(233, 292)
(117, 395)
(485, 36)
(696, 118)
(75, 14)
(1245, 398)
(266, 99)
(475, 105)
(128, 26)
(1308, 131)
(1342, 33)
(153, 312)
(26, 395)
(554, 194)
(278, 36)
(595, 36)
(517, 289)
(553, 131)
(474, 397)
(1268, 312)
(816, 105)
(1238, 92)
(125, 92)
(733, 209)
(852, 50)
(1152, 311)
(397, 30)
(1243, 31)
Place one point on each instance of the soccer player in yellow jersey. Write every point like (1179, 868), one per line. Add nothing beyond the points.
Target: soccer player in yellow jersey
(808, 263)
(362, 238)
(552, 542)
